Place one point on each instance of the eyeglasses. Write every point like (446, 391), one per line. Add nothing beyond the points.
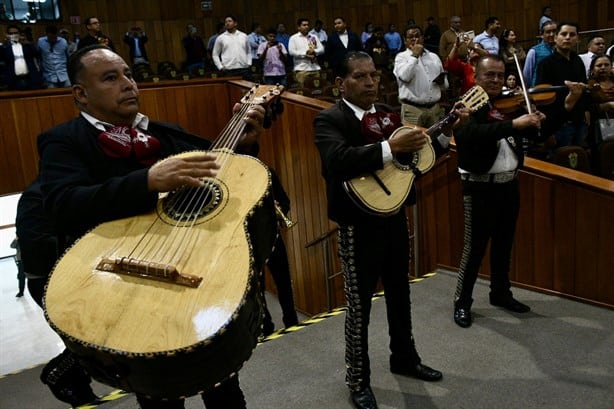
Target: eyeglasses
(13, 32)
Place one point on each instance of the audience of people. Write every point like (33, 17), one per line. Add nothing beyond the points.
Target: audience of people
(315, 51)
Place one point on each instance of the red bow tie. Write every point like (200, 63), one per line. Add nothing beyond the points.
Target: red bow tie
(379, 125)
(124, 142)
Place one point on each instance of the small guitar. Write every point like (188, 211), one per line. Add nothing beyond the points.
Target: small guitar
(383, 192)
(167, 303)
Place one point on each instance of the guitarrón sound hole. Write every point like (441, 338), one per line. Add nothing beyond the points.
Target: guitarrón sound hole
(190, 203)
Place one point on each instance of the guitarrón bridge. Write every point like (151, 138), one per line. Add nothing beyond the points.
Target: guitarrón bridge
(148, 270)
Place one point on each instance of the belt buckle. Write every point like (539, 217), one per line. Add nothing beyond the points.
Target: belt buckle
(503, 177)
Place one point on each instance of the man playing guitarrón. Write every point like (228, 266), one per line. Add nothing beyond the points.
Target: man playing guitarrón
(98, 168)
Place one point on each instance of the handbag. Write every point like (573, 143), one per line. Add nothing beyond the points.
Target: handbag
(605, 127)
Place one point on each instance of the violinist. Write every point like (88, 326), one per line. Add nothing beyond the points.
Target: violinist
(489, 147)
(564, 67)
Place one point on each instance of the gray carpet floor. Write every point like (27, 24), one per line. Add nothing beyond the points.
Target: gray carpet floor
(560, 355)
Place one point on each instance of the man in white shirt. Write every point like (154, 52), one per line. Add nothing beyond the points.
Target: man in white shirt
(304, 49)
(21, 69)
(231, 52)
(595, 47)
(421, 79)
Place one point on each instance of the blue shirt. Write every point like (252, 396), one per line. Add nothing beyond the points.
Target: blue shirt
(54, 59)
(393, 41)
(489, 42)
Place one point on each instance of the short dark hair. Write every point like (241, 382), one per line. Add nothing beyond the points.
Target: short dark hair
(344, 67)
(272, 30)
(51, 30)
(490, 20)
(300, 20)
(568, 23)
(75, 66)
(14, 26)
(413, 27)
(89, 19)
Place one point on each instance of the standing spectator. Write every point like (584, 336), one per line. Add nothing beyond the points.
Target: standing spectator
(370, 247)
(273, 55)
(564, 67)
(595, 47)
(21, 70)
(393, 40)
(194, 47)
(340, 42)
(421, 81)
(94, 34)
(231, 53)
(219, 29)
(136, 39)
(545, 17)
(601, 84)
(304, 49)
(448, 39)
(538, 52)
(490, 153)
(432, 35)
(507, 50)
(378, 50)
(54, 58)
(283, 37)
(369, 28)
(488, 38)
(255, 38)
(72, 44)
(318, 31)
(464, 70)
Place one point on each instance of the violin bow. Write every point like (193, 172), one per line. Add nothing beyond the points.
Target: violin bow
(524, 88)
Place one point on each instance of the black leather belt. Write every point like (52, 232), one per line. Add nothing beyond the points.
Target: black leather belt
(405, 101)
(503, 177)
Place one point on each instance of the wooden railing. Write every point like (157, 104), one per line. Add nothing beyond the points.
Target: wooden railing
(563, 235)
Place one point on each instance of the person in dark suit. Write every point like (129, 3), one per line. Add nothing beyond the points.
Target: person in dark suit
(90, 174)
(95, 35)
(351, 137)
(136, 39)
(340, 42)
(490, 152)
(19, 67)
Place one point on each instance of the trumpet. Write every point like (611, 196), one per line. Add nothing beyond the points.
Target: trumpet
(283, 220)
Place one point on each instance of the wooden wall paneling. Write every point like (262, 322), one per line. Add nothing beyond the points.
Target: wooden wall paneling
(603, 247)
(12, 172)
(590, 212)
(564, 240)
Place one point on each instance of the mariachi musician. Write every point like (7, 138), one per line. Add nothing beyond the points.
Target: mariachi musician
(490, 152)
(352, 139)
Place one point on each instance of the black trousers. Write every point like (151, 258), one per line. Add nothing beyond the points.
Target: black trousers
(228, 395)
(280, 271)
(368, 252)
(490, 212)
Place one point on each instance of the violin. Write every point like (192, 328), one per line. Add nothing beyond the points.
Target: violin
(543, 94)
